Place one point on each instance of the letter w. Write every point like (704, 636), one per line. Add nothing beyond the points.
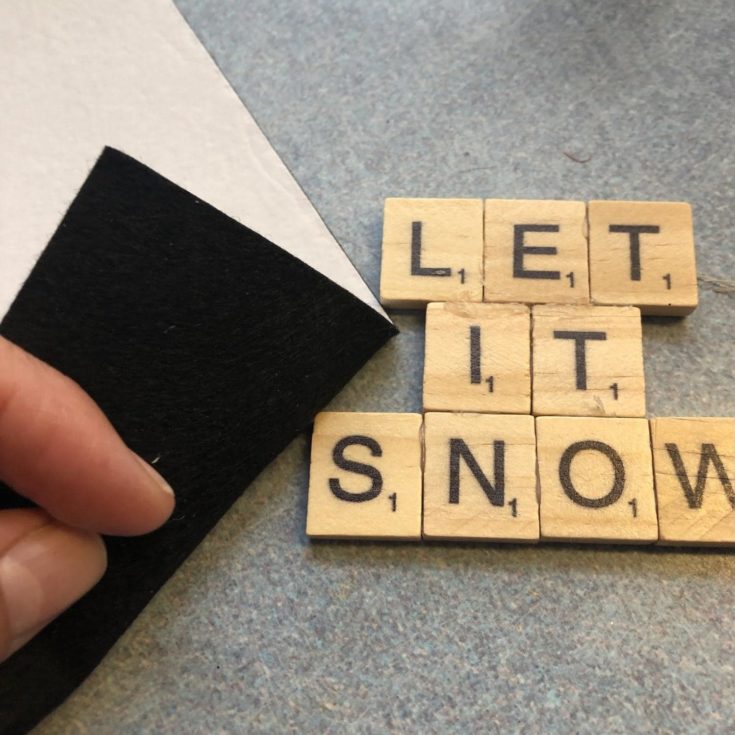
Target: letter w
(708, 454)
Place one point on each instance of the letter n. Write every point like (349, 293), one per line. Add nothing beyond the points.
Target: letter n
(458, 450)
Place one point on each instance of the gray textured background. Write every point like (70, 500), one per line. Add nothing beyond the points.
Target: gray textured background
(261, 631)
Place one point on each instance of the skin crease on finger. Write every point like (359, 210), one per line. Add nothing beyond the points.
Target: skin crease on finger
(44, 567)
(58, 449)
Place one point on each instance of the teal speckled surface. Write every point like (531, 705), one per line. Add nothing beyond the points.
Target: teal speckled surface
(262, 632)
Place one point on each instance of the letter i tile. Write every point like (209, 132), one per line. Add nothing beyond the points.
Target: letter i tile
(478, 358)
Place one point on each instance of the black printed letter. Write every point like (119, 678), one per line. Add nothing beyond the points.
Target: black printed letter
(565, 465)
(457, 449)
(708, 454)
(520, 249)
(580, 352)
(416, 268)
(635, 232)
(475, 352)
(358, 467)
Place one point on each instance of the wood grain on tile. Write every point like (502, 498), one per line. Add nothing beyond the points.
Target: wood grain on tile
(480, 478)
(694, 472)
(365, 477)
(536, 251)
(587, 361)
(642, 253)
(432, 251)
(596, 480)
(478, 358)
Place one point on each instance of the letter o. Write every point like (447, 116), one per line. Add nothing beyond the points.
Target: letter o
(565, 466)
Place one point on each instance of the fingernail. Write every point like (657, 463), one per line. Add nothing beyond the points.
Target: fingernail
(43, 573)
(160, 483)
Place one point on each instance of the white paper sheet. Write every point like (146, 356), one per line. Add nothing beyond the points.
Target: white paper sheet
(76, 75)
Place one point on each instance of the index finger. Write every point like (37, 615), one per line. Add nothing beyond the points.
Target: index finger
(59, 450)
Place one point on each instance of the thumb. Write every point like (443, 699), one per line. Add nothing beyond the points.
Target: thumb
(45, 566)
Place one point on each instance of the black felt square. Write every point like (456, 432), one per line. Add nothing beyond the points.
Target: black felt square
(207, 346)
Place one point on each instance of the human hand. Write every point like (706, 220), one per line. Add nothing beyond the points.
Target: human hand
(58, 449)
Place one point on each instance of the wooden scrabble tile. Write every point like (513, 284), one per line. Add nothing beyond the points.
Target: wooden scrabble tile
(694, 472)
(432, 251)
(478, 358)
(365, 479)
(596, 480)
(536, 251)
(587, 361)
(480, 477)
(642, 253)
